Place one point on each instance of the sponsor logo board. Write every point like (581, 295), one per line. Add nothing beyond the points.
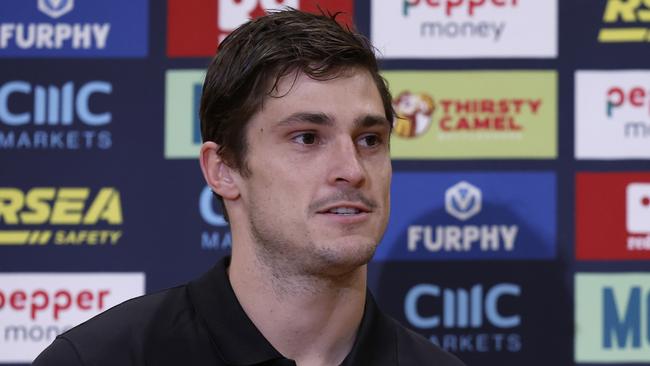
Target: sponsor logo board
(36, 307)
(216, 235)
(485, 114)
(465, 28)
(613, 216)
(442, 216)
(612, 316)
(69, 28)
(196, 27)
(612, 114)
(59, 116)
(625, 21)
(182, 123)
(62, 216)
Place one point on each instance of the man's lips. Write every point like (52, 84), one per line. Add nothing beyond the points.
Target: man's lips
(345, 208)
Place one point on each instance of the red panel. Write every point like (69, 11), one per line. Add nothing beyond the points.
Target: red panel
(601, 232)
(193, 28)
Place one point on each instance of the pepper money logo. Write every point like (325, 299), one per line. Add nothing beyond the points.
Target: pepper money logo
(65, 28)
(464, 28)
(60, 216)
(625, 21)
(612, 315)
(36, 307)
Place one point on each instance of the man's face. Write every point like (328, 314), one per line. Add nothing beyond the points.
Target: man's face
(317, 197)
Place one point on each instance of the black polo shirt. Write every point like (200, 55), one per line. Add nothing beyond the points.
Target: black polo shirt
(202, 323)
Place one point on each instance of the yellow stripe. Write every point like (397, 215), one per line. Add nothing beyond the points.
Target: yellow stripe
(623, 35)
(33, 236)
(45, 237)
(14, 237)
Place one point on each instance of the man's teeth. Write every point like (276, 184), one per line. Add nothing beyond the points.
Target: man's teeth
(344, 211)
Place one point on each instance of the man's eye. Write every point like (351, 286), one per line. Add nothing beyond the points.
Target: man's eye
(370, 140)
(306, 138)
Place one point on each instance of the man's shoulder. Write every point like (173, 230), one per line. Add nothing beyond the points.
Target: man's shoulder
(414, 349)
(119, 334)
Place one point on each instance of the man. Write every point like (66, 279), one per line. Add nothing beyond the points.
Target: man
(296, 122)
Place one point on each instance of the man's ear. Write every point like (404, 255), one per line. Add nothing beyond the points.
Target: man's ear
(218, 175)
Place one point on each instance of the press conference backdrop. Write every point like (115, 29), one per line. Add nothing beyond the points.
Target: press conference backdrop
(520, 229)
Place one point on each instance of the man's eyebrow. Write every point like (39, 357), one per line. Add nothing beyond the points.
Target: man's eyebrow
(316, 118)
(371, 120)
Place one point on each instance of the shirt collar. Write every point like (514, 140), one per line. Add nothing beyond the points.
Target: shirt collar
(239, 342)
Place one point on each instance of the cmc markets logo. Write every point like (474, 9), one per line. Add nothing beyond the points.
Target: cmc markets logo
(471, 319)
(625, 21)
(630, 107)
(36, 307)
(462, 201)
(48, 116)
(637, 215)
(468, 28)
(45, 28)
(414, 112)
(60, 216)
(612, 312)
(196, 27)
(218, 237)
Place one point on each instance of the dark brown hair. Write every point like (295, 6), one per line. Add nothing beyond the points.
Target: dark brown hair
(251, 60)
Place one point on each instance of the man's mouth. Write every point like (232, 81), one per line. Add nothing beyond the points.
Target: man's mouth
(345, 211)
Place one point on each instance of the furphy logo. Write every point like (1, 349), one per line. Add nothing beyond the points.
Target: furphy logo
(37, 117)
(621, 128)
(470, 319)
(612, 315)
(197, 26)
(470, 216)
(504, 117)
(464, 28)
(625, 21)
(182, 124)
(625, 231)
(65, 28)
(218, 237)
(55, 8)
(60, 216)
(36, 307)
(463, 200)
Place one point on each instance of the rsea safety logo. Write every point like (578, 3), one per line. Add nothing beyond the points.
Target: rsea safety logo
(182, 124)
(470, 216)
(465, 28)
(467, 319)
(625, 21)
(216, 236)
(612, 114)
(486, 114)
(196, 27)
(612, 315)
(36, 307)
(63, 216)
(613, 216)
(63, 116)
(69, 28)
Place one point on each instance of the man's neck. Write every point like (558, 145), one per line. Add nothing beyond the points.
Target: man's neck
(310, 319)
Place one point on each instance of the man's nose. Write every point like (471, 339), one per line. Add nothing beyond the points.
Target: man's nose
(346, 166)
